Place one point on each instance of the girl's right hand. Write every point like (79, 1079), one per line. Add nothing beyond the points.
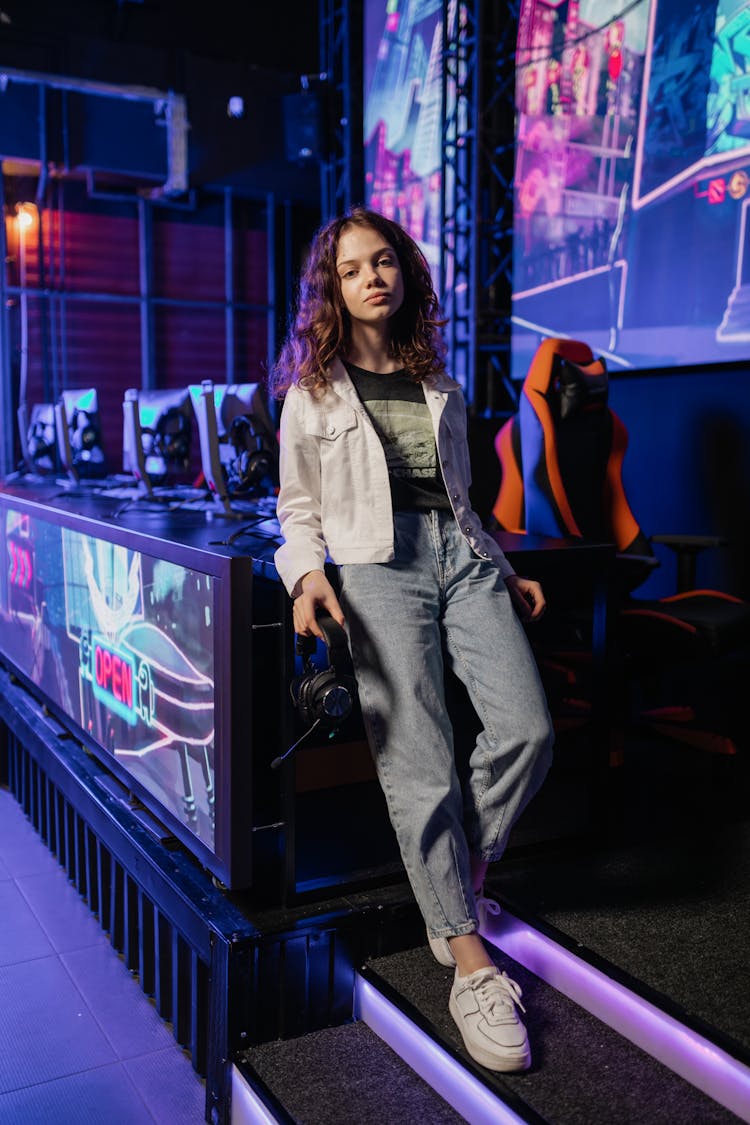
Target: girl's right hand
(317, 593)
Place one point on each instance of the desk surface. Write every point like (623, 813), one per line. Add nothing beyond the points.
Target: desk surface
(166, 693)
(192, 525)
(570, 570)
(254, 531)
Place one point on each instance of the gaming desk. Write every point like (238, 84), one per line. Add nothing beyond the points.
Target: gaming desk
(162, 634)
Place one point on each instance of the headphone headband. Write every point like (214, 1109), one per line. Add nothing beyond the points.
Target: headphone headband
(336, 642)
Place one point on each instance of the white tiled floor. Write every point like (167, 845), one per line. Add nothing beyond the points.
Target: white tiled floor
(80, 1044)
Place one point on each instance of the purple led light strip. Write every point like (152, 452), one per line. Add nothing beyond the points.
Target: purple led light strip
(441, 1071)
(684, 1051)
(247, 1106)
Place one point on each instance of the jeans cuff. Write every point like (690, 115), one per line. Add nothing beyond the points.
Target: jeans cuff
(455, 931)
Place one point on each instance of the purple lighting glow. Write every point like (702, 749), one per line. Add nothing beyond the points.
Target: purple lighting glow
(439, 1069)
(247, 1106)
(684, 1051)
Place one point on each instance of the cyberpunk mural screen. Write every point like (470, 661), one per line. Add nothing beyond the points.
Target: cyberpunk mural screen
(94, 626)
(632, 180)
(402, 122)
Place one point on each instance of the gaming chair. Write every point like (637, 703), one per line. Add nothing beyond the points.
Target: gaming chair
(561, 457)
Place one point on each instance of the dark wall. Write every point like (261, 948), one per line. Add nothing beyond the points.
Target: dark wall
(257, 52)
(144, 42)
(687, 468)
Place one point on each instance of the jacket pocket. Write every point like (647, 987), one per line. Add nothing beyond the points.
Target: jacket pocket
(330, 424)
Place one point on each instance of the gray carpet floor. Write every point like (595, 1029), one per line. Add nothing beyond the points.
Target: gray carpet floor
(347, 1076)
(664, 895)
(674, 914)
(583, 1073)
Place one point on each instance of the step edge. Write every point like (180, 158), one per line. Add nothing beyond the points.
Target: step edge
(481, 1098)
(637, 1013)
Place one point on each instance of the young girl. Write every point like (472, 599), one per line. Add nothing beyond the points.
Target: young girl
(375, 473)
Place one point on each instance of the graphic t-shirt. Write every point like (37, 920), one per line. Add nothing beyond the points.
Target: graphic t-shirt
(398, 411)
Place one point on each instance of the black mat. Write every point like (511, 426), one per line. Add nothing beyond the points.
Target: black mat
(583, 1073)
(675, 914)
(666, 896)
(663, 893)
(347, 1076)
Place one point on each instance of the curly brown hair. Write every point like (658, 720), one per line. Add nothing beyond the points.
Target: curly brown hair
(321, 327)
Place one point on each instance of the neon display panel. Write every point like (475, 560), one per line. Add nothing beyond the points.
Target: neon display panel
(632, 180)
(402, 116)
(123, 644)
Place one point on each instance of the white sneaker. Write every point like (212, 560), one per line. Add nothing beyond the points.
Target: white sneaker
(484, 1008)
(440, 946)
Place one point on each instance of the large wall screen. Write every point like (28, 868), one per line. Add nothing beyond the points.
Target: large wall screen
(632, 180)
(402, 116)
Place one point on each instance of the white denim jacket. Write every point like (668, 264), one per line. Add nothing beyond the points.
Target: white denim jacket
(335, 495)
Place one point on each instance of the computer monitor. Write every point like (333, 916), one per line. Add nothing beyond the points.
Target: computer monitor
(156, 435)
(79, 441)
(237, 439)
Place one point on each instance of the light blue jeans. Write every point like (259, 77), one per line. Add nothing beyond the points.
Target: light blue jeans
(438, 602)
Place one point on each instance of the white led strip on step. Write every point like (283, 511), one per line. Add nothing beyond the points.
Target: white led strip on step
(684, 1051)
(436, 1066)
(248, 1107)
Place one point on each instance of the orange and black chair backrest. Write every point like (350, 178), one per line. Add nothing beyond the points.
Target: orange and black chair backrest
(562, 454)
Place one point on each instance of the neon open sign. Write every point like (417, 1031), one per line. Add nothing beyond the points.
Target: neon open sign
(21, 568)
(112, 675)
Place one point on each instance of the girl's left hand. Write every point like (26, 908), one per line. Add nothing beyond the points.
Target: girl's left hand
(527, 597)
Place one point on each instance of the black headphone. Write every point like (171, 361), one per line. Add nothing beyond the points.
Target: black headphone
(84, 434)
(253, 454)
(171, 438)
(325, 698)
(85, 444)
(41, 444)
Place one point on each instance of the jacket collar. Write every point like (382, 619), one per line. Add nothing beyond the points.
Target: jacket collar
(339, 381)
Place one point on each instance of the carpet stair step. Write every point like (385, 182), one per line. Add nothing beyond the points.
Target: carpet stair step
(583, 1070)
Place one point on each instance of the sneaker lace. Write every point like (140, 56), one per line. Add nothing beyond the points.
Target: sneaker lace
(497, 994)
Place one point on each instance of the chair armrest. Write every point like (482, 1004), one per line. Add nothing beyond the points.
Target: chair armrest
(687, 548)
(649, 561)
(631, 570)
(689, 542)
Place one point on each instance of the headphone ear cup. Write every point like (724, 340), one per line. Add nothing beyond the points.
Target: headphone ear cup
(307, 697)
(323, 697)
(251, 461)
(298, 690)
(350, 685)
(330, 700)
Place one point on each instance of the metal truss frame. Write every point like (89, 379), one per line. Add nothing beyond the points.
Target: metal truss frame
(477, 197)
(342, 168)
(477, 145)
